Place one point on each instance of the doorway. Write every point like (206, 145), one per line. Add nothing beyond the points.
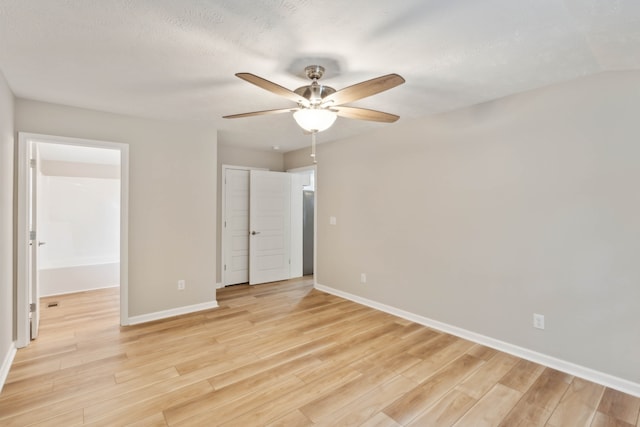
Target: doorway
(237, 239)
(303, 230)
(72, 222)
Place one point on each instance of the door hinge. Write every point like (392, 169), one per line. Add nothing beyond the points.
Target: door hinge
(32, 235)
(32, 163)
(225, 267)
(225, 224)
(32, 307)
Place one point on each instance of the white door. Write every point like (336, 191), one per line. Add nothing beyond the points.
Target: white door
(236, 227)
(34, 242)
(270, 227)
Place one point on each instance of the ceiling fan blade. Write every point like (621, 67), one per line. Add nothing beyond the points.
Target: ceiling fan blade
(261, 113)
(365, 114)
(273, 88)
(363, 90)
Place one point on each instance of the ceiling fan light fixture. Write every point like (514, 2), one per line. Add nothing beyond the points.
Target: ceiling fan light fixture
(315, 119)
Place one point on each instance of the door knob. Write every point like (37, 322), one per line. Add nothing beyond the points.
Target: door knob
(253, 233)
(42, 243)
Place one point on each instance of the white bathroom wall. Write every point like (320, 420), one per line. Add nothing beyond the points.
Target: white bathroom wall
(78, 218)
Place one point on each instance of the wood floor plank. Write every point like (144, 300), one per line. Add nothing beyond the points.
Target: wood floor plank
(293, 399)
(540, 400)
(486, 377)
(292, 419)
(282, 354)
(68, 419)
(482, 352)
(328, 405)
(229, 402)
(444, 351)
(380, 420)
(522, 376)
(446, 411)
(578, 405)
(155, 420)
(140, 408)
(603, 420)
(367, 405)
(57, 403)
(246, 391)
(491, 409)
(261, 365)
(620, 406)
(418, 400)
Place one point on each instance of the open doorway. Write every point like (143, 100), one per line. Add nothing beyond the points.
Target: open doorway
(303, 230)
(72, 222)
(78, 211)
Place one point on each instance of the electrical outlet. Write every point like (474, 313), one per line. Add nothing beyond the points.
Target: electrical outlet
(181, 285)
(538, 321)
(333, 220)
(363, 278)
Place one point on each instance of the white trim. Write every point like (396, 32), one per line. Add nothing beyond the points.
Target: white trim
(219, 285)
(602, 378)
(314, 168)
(79, 292)
(302, 169)
(124, 234)
(22, 297)
(6, 364)
(223, 214)
(159, 315)
(22, 249)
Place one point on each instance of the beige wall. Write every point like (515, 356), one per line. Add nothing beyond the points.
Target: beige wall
(481, 217)
(297, 159)
(172, 198)
(7, 313)
(236, 156)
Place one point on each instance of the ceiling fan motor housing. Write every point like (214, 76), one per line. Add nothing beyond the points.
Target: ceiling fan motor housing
(314, 72)
(314, 92)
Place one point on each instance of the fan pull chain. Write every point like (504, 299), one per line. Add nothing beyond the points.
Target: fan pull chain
(313, 146)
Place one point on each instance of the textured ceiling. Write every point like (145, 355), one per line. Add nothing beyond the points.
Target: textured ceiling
(176, 59)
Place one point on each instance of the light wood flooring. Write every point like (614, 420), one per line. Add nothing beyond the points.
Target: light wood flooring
(283, 354)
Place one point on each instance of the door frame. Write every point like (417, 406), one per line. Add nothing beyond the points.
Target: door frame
(223, 217)
(313, 168)
(22, 227)
(224, 242)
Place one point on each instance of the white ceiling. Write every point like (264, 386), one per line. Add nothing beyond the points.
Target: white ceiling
(176, 59)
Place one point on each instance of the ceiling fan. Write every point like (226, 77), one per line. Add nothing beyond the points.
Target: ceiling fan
(318, 105)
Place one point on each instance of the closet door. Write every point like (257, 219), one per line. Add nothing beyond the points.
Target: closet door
(269, 226)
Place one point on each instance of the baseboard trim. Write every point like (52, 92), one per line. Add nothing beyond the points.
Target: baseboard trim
(159, 315)
(598, 377)
(80, 291)
(6, 364)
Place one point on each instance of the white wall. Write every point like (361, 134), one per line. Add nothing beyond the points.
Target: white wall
(7, 312)
(481, 217)
(172, 199)
(79, 219)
